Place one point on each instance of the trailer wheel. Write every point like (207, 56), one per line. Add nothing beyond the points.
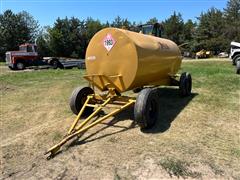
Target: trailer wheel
(80, 66)
(55, 64)
(146, 108)
(78, 98)
(20, 66)
(238, 67)
(10, 67)
(185, 84)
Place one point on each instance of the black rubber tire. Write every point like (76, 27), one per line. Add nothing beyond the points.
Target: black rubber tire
(78, 98)
(235, 59)
(80, 66)
(185, 84)
(146, 108)
(238, 67)
(233, 62)
(55, 64)
(20, 66)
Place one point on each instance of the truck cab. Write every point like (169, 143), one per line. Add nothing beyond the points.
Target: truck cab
(151, 29)
(235, 52)
(28, 48)
(26, 55)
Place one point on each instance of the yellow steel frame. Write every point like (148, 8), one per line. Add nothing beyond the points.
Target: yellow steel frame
(99, 102)
(105, 81)
(123, 102)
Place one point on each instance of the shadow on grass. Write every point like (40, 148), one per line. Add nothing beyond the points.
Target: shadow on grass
(171, 104)
(122, 116)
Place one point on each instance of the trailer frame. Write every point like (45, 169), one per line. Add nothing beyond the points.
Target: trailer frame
(98, 101)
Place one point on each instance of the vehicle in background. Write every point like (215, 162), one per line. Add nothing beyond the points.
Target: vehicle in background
(235, 52)
(235, 55)
(203, 54)
(27, 56)
(223, 55)
(151, 29)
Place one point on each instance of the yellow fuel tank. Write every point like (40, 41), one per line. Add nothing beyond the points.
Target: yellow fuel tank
(126, 60)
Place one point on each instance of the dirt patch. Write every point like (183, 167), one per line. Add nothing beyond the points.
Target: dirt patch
(6, 88)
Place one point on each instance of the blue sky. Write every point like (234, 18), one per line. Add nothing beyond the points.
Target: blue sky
(46, 11)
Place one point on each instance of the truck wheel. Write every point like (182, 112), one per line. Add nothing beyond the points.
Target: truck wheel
(55, 64)
(78, 98)
(20, 66)
(238, 67)
(79, 66)
(185, 84)
(146, 108)
(235, 59)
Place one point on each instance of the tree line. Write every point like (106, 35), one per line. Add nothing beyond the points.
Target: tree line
(69, 37)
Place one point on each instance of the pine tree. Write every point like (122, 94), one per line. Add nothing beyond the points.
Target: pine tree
(16, 29)
(210, 31)
(232, 16)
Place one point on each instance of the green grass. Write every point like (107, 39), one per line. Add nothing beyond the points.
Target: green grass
(36, 93)
(215, 78)
(178, 168)
(41, 77)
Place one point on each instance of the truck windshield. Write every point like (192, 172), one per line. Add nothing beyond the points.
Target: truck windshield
(235, 47)
(147, 29)
(22, 48)
(29, 49)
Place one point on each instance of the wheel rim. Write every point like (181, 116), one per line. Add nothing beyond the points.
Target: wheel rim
(55, 64)
(20, 65)
(84, 98)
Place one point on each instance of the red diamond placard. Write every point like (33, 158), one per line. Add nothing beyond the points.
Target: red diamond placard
(108, 42)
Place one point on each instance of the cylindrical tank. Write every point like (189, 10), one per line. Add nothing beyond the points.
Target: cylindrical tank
(126, 60)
